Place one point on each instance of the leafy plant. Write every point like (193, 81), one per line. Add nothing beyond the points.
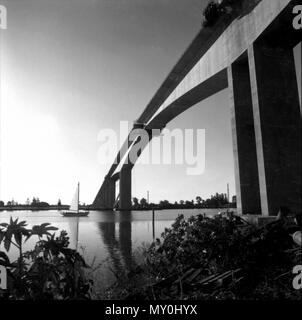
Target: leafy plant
(50, 271)
(211, 14)
(215, 248)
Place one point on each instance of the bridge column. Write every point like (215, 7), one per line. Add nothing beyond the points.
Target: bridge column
(277, 119)
(106, 196)
(243, 133)
(110, 193)
(125, 202)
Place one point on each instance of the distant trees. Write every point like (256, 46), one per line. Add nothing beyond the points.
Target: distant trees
(198, 200)
(216, 201)
(189, 204)
(165, 204)
(216, 9)
(211, 14)
(219, 200)
(36, 203)
(135, 203)
(144, 203)
(12, 203)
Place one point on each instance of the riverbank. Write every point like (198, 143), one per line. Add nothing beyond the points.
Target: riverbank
(37, 208)
(219, 258)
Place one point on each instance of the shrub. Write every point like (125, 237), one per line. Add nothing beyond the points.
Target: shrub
(50, 271)
(211, 14)
(264, 255)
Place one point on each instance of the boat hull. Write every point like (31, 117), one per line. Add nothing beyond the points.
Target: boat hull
(75, 214)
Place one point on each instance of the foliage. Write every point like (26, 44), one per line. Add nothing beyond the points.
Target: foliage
(263, 257)
(215, 201)
(211, 14)
(39, 204)
(215, 10)
(50, 271)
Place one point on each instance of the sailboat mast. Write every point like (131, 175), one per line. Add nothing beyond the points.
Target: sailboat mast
(78, 196)
(77, 237)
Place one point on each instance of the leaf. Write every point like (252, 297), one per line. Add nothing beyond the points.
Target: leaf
(3, 257)
(7, 244)
(42, 229)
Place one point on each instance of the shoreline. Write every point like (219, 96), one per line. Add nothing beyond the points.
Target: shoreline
(66, 207)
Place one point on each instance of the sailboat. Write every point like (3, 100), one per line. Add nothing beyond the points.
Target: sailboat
(74, 206)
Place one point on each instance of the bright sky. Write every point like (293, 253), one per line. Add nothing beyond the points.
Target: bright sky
(70, 68)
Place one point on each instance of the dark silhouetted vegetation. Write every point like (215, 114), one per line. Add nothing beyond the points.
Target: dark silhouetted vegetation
(51, 271)
(215, 201)
(216, 258)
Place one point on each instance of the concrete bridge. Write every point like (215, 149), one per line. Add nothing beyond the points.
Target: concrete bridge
(249, 51)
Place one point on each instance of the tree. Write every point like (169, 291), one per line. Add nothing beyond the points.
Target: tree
(198, 200)
(143, 203)
(211, 14)
(34, 202)
(165, 204)
(1, 203)
(135, 202)
(42, 204)
(189, 204)
(59, 203)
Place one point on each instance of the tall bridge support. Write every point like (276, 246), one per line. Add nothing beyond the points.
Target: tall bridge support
(243, 133)
(277, 120)
(125, 188)
(105, 198)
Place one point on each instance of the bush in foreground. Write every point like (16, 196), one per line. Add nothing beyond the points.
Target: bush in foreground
(217, 258)
(51, 271)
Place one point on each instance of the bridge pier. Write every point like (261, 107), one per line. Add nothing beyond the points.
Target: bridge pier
(106, 196)
(277, 120)
(243, 135)
(111, 196)
(125, 202)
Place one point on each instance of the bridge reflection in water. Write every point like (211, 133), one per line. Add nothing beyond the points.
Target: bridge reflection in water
(116, 237)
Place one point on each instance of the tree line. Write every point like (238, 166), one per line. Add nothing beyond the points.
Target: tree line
(219, 200)
(34, 203)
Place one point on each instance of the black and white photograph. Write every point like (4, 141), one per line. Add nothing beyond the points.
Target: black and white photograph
(150, 153)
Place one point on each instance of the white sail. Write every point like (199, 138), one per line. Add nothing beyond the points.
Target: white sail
(74, 206)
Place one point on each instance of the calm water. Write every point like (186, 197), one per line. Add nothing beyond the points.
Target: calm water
(108, 240)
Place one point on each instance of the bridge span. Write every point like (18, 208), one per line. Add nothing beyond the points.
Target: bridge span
(250, 52)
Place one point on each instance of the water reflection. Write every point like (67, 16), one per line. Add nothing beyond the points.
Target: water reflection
(116, 236)
(110, 239)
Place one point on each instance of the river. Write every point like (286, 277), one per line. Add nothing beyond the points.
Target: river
(108, 240)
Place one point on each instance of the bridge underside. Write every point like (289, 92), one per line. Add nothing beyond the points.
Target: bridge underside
(265, 115)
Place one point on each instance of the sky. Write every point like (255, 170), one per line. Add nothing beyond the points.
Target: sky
(71, 68)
